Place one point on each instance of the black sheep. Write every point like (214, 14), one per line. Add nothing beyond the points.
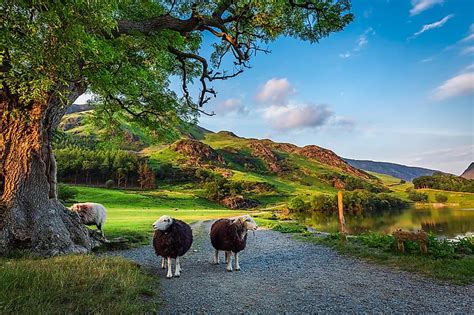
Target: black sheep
(172, 239)
(230, 235)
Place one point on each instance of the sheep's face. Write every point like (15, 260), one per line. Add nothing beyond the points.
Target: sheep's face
(163, 223)
(248, 222)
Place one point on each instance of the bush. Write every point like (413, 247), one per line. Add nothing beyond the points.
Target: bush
(324, 203)
(110, 183)
(297, 204)
(416, 196)
(441, 198)
(402, 181)
(219, 188)
(67, 193)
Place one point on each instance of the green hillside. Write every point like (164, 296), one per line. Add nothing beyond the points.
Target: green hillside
(197, 155)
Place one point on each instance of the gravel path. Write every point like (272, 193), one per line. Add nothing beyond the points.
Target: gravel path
(283, 275)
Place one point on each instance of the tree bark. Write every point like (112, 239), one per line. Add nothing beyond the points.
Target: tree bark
(31, 217)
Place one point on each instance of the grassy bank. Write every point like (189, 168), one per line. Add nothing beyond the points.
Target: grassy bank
(75, 284)
(451, 262)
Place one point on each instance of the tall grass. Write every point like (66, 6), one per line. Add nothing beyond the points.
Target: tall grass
(79, 284)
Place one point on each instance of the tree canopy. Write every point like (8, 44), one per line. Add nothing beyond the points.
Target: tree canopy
(125, 52)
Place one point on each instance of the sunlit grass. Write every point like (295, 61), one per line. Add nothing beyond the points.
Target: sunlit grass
(79, 284)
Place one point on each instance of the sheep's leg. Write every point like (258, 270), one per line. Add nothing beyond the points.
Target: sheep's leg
(163, 263)
(169, 274)
(236, 262)
(177, 270)
(99, 227)
(228, 260)
(216, 257)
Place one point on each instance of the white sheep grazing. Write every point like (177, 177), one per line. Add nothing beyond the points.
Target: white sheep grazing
(91, 214)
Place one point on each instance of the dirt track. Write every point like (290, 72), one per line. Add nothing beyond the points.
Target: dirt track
(283, 275)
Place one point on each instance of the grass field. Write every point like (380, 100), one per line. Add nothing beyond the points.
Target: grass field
(130, 214)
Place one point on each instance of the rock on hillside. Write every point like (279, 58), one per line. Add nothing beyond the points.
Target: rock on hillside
(198, 152)
(469, 172)
(330, 158)
(264, 152)
(239, 202)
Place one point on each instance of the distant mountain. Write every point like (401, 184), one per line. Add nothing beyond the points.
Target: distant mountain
(404, 172)
(469, 172)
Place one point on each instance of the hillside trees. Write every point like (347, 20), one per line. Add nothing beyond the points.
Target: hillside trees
(444, 181)
(124, 52)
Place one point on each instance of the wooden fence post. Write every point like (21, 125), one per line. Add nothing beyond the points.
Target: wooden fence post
(342, 221)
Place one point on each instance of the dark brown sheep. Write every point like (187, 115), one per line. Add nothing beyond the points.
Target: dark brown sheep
(230, 235)
(172, 239)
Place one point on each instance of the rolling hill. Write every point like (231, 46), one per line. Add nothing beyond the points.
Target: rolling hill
(469, 172)
(404, 172)
(289, 169)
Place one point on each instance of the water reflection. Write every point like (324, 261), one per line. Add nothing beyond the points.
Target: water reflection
(441, 221)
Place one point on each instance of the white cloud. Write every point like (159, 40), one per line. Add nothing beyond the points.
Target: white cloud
(345, 55)
(419, 6)
(293, 116)
(367, 13)
(231, 105)
(343, 122)
(275, 91)
(84, 98)
(470, 36)
(454, 159)
(468, 68)
(427, 59)
(462, 84)
(468, 50)
(361, 41)
(434, 25)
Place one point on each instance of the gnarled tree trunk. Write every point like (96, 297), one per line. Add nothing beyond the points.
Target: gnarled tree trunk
(31, 217)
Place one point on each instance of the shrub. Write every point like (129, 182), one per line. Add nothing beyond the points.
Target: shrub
(297, 204)
(441, 198)
(416, 196)
(67, 193)
(324, 203)
(110, 183)
(402, 181)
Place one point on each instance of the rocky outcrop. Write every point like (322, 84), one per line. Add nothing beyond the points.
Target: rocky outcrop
(265, 153)
(328, 157)
(238, 202)
(469, 172)
(198, 153)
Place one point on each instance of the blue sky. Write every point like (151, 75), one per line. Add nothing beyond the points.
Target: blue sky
(396, 85)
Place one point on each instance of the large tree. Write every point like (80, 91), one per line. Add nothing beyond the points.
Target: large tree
(125, 53)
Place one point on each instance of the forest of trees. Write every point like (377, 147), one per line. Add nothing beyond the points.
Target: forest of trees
(444, 181)
(97, 167)
(357, 202)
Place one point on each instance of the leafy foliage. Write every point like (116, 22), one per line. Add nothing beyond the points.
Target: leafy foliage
(444, 181)
(77, 165)
(356, 202)
(66, 193)
(125, 52)
(441, 198)
(416, 196)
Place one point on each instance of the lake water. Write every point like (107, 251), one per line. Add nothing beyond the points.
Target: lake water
(441, 221)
